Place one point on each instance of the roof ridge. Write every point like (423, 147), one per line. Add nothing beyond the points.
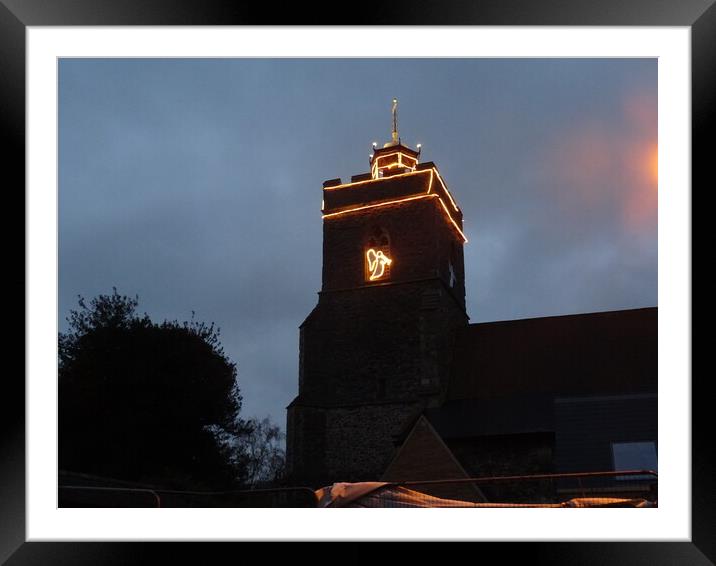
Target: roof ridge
(574, 315)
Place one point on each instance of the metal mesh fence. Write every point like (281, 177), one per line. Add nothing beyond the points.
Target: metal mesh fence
(92, 496)
(397, 497)
(629, 488)
(633, 488)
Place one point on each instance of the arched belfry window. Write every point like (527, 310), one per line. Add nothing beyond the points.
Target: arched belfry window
(377, 256)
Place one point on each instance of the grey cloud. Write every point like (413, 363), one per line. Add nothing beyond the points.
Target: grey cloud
(196, 184)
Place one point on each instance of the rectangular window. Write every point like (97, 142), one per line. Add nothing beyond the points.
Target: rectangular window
(634, 456)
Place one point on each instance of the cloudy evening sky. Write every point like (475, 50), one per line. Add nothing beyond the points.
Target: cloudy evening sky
(196, 184)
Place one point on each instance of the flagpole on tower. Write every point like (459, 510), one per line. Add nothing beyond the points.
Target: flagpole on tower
(396, 139)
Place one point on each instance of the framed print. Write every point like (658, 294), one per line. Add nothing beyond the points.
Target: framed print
(46, 52)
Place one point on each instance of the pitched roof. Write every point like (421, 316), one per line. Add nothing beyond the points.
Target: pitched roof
(585, 354)
(467, 418)
(425, 456)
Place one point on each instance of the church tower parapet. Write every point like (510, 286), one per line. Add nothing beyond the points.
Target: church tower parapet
(376, 349)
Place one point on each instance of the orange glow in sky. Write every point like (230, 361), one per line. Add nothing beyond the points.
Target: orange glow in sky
(653, 164)
(608, 170)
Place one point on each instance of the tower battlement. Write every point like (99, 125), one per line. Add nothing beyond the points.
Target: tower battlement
(377, 347)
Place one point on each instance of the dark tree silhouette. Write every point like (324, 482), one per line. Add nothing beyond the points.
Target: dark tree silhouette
(147, 402)
(262, 447)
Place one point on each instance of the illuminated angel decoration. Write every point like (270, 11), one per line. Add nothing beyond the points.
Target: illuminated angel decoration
(377, 261)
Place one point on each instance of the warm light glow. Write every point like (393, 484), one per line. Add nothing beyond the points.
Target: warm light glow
(428, 194)
(366, 207)
(653, 161)
(377, 261)
(464, 239)
(446, 190)
(430, 184)
(400, 160)
(378, 204)
(400, 155)
(373, 180)
(376, 168)
(393, 166)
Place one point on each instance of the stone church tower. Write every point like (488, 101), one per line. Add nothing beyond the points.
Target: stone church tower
(376, 350)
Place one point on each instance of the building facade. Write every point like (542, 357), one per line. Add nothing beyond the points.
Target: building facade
(389, 346)
(375, 351)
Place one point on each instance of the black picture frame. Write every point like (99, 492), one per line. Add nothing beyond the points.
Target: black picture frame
(17, 15)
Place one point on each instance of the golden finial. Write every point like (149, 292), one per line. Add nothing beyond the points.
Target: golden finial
(395, 121)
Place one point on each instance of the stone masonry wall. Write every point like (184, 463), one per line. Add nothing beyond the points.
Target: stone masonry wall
(372, 354)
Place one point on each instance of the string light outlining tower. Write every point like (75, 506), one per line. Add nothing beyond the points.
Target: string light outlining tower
(393, 269)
